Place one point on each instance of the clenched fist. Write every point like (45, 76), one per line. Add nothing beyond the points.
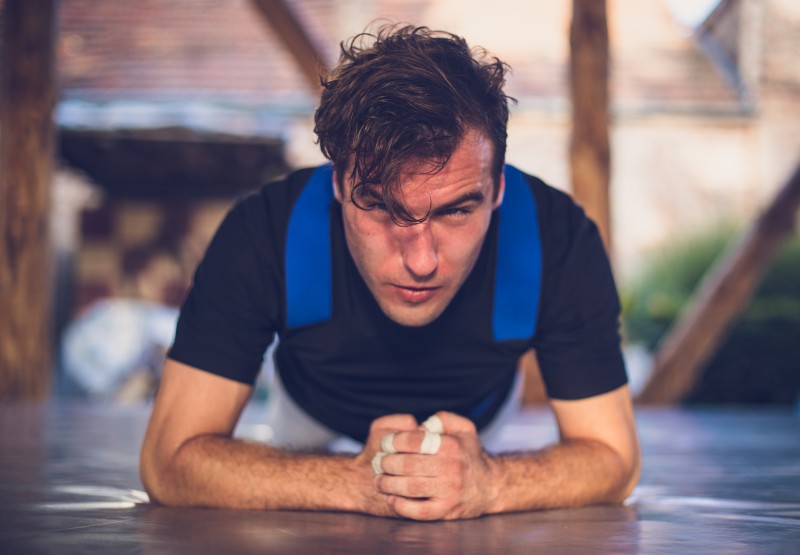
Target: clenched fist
(375, 502)
(456, 482)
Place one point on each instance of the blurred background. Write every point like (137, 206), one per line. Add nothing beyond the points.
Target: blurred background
(166, 111)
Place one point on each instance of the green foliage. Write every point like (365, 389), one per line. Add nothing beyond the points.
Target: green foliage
(760, 360)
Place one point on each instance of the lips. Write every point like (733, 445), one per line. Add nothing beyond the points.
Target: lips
(415, 295)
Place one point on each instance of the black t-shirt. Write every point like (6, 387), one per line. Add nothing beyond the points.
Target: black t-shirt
(359, 364)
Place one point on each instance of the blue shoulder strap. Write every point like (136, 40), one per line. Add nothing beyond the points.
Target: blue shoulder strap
(519, 262)
(519, 258)
(308, 253)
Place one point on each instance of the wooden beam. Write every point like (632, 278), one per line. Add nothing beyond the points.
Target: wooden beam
(295, 37)
(27, 98)
(720, 299)
(590, 158)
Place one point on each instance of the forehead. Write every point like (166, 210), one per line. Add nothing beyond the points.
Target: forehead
(469, 167)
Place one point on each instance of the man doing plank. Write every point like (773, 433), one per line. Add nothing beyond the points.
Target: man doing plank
(403, 280)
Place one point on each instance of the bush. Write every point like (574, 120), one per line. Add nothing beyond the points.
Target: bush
(759, 361)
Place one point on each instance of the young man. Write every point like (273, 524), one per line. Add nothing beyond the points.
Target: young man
(404, 280)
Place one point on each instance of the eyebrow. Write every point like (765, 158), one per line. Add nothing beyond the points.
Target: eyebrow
(370, 191)
(473, 196)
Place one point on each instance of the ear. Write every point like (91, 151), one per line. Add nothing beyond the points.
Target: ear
(337, 191)
(501, 191)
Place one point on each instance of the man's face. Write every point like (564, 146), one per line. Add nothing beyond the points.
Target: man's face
(415, 271)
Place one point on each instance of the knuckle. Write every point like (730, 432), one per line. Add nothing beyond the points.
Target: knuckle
(408, 421)
(399, 442)
(376, 425)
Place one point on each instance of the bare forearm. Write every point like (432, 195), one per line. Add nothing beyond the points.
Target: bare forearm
(570, 474)
(218, 471)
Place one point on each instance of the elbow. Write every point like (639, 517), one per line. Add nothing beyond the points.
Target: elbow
(152, 472)
(620, 474)
(631, 472)
(148, 474)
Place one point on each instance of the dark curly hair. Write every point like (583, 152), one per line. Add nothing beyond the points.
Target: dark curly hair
(407, 94)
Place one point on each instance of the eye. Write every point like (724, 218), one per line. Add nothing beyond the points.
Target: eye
(456, 213)
(368, 199)
(379, 206)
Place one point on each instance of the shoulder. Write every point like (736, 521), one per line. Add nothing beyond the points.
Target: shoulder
(557, 209)
(250, 239)
(261, 216)
(577, 341)
(563, 224)
(274, 199)
(236, 300)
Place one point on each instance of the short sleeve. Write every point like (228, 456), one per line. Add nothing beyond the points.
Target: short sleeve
(577, 341)
(229, 316)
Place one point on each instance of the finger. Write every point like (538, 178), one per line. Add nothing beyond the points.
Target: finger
(412, 442)
(394, 422)
(377, 466)
(431, 443)
(418, 509)
(455, 424)
(418, 487)
(434, 425)
(403, 464)
(387, 443)
(386, 424)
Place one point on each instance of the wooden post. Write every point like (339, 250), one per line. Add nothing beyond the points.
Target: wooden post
(589, 146)
(27, 98)
(294, 36)
(721, 298)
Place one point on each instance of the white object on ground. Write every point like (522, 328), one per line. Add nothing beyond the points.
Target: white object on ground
(113, 339)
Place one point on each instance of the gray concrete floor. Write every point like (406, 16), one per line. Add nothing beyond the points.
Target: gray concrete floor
(714, 481)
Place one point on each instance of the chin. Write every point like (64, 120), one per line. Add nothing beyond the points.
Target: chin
(413, 317)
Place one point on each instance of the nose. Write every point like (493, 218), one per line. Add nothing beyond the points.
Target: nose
(418, 247)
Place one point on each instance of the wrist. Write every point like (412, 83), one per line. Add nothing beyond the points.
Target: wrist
(359, 490)
(496, 479)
